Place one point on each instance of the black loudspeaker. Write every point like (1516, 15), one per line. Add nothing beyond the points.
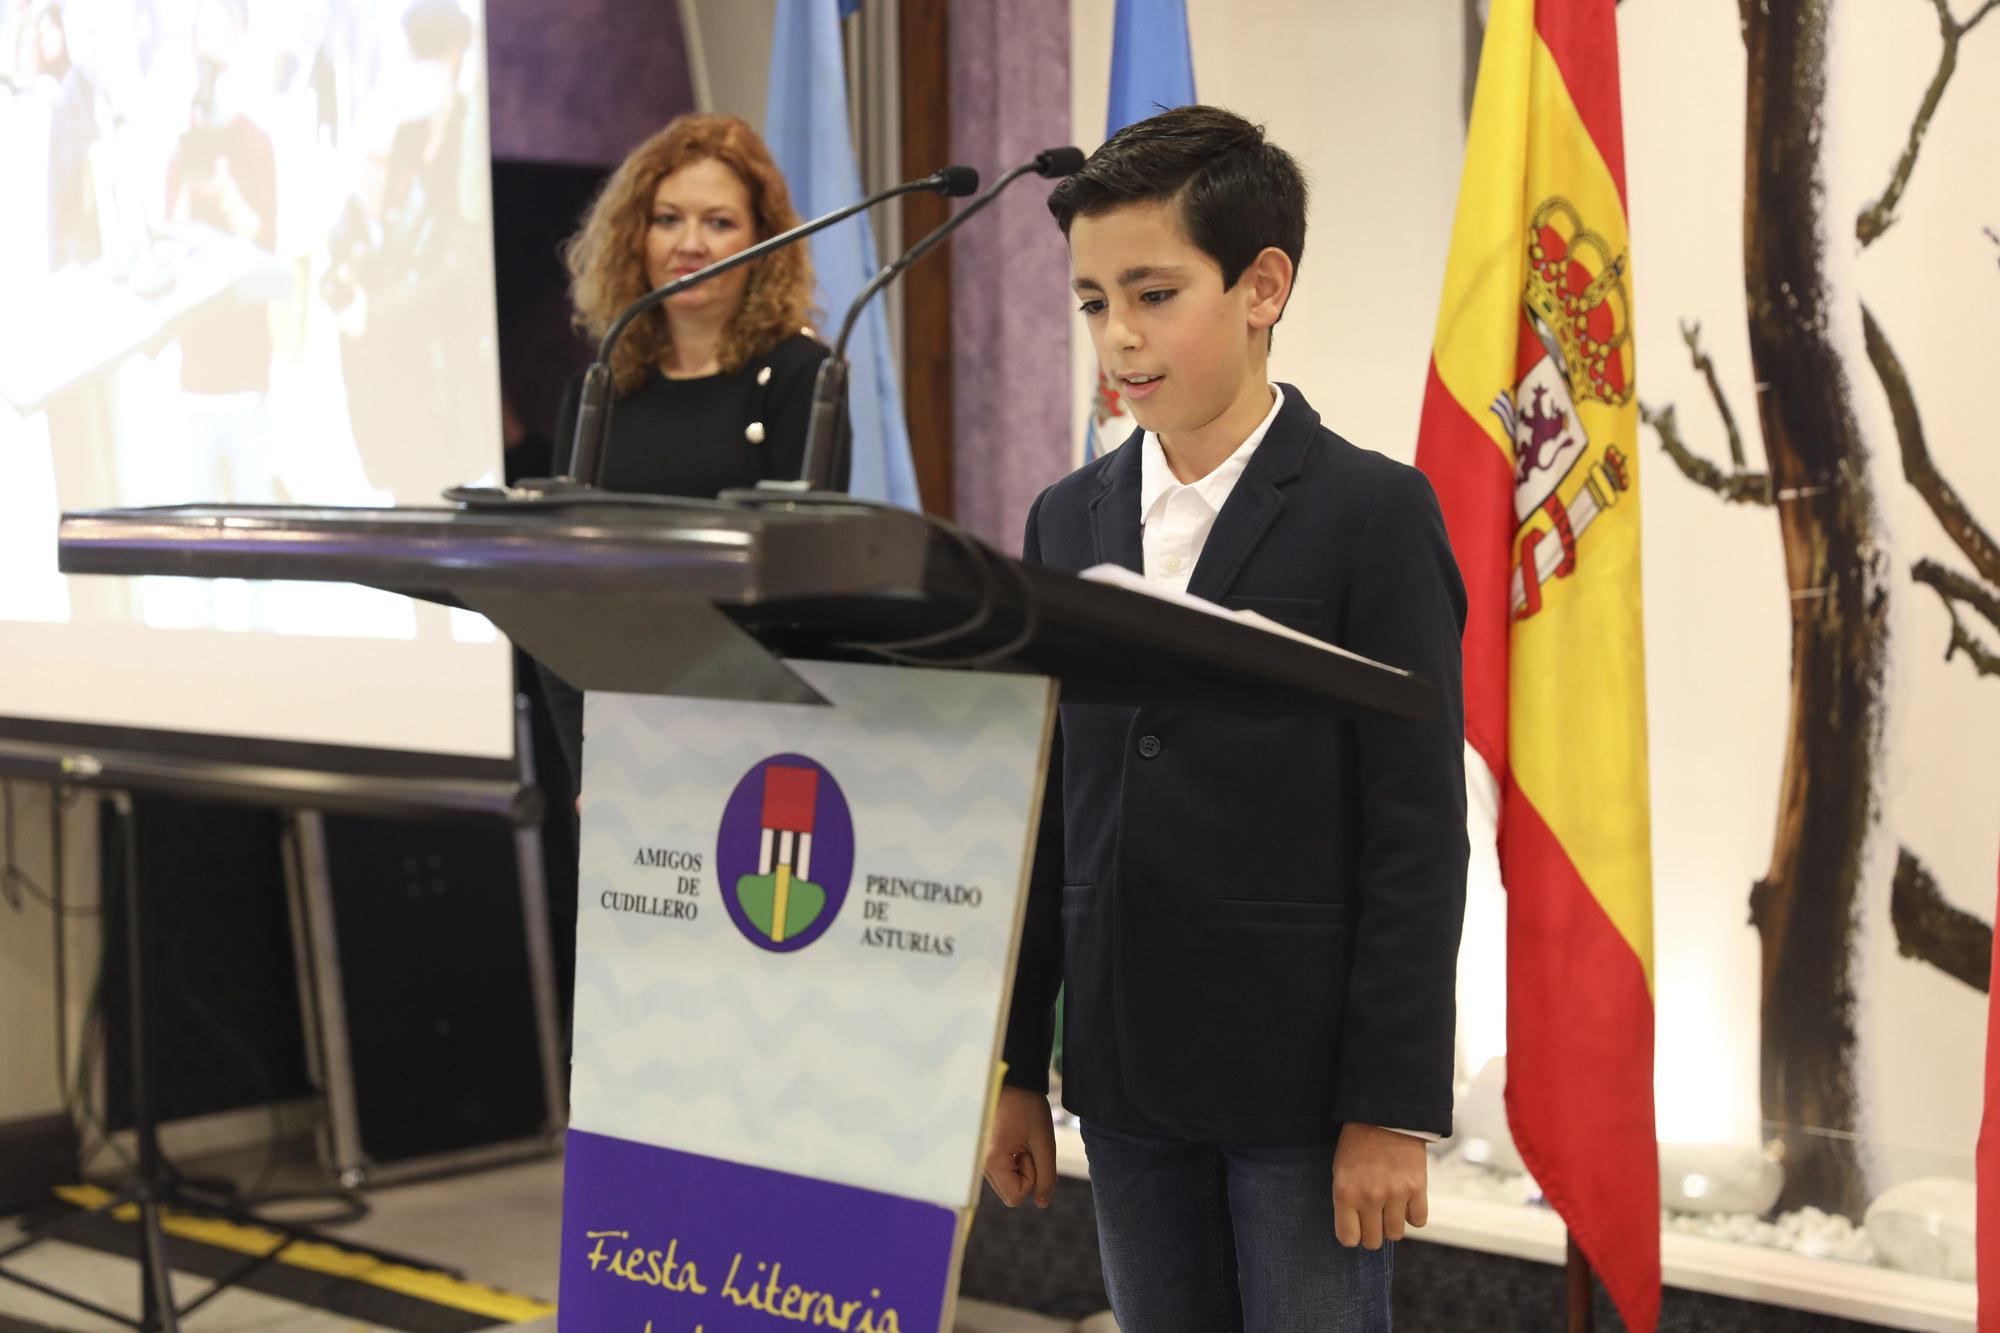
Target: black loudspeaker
(427, 969)
(37, 1154)
(224, 1017)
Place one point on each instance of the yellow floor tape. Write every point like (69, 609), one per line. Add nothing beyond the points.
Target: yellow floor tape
(437, 1288)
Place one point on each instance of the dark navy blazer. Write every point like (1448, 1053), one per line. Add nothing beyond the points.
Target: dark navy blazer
(1257, 919)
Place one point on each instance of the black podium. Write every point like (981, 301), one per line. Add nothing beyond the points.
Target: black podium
(714, 599)
(705, 598)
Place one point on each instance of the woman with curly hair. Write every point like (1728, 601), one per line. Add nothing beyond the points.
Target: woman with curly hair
(713, 386)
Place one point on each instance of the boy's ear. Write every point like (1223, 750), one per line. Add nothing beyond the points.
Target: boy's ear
(1270, 280)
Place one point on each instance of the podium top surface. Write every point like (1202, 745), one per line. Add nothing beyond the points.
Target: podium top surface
(710, 551)
(817, 579)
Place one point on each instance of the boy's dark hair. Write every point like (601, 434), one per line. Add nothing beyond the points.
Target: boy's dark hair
(1236, 192)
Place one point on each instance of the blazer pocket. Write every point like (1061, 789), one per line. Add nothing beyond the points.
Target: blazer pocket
(1296, 913)
(1306, 613)
(1077, 895)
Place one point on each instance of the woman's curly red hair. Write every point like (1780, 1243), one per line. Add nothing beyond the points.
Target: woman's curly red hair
(606, 257)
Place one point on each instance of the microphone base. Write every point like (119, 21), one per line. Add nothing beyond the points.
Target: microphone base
(528, 490)
(778, 492)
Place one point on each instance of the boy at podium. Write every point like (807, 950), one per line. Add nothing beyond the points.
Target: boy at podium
(1255, 920)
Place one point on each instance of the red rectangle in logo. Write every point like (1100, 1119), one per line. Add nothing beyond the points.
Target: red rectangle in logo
(790, 795)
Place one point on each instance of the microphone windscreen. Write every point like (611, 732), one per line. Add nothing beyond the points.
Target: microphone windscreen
(957, 181)
(1059, 161)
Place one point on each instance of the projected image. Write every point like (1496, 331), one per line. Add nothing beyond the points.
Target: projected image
(246, 257)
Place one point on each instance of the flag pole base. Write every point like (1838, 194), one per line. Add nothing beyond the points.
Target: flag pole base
(1578, 1296)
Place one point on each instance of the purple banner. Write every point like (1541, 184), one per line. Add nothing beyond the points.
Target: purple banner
(654, 1238)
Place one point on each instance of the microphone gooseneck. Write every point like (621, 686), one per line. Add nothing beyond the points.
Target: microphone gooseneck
(830, 388)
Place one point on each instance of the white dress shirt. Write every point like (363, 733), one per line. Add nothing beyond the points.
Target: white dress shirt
(1176, 519)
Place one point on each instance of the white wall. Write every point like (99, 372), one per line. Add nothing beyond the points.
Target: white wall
(1934, 284)
(729, 44)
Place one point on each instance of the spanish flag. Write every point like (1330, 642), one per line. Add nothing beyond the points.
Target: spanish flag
(1529, 436)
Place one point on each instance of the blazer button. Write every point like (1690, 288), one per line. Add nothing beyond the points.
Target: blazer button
(1149, 747)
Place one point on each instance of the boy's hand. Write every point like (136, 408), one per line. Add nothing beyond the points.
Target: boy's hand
(1378, 1183)
(1021, 1160)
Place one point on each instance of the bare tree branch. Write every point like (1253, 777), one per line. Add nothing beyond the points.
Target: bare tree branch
(1751, 488)
(1956, 590)
(1931, 930)
(1879, 216)
(1739, 485)
(1965, 531)
(1950, 583)
(1691, 335)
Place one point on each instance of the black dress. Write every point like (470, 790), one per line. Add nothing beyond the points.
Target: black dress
(698, 438)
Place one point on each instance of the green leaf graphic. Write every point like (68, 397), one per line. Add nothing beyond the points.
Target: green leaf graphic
(805, 901)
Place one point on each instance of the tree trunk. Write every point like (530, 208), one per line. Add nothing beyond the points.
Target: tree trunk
(1805, 907)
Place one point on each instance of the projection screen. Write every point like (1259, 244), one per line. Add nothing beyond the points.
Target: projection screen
(246, 257)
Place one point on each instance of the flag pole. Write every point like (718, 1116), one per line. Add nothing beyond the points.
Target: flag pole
(1578, 1297)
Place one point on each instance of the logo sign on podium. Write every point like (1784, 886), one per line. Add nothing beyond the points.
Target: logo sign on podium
(783, 811)
(795, 942)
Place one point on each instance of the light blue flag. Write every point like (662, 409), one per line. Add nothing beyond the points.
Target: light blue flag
(805, 124)
(1152, 70)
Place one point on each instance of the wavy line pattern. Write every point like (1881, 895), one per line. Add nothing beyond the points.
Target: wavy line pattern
(918, 1046)
(800, 1141)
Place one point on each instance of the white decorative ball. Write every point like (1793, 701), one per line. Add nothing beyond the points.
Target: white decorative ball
(1926, 1226)
(1718, 1178)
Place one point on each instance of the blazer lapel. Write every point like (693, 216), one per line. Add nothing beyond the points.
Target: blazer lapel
(1257, 500)
(1253, 506)
(1114, 514)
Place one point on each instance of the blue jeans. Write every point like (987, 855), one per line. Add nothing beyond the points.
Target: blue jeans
(1199, 1238)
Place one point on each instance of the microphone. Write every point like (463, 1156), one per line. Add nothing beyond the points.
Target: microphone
(829, 404)
(593, 415)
